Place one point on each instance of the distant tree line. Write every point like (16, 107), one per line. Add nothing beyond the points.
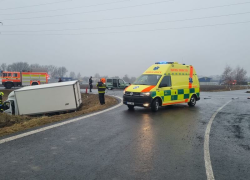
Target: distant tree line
(55, 71)
(238, 75)
(52, 70)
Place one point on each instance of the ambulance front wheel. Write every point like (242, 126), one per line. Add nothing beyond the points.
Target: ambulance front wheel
(131, 107)
(192, 101)
(155, 105)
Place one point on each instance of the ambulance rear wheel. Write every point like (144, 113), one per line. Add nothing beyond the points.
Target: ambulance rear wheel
(131, 107)
(155, 105)
(192, 101)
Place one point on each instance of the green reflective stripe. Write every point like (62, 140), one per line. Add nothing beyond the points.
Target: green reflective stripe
(186, 96)
(192, 90)
(153, 93)
(180, 91)
(167, 92)
(174, 97)
(176, 94)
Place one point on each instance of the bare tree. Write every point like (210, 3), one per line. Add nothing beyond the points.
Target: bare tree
(3, 67)
(19, 66)
(240, 75)
(72, 75)
(85, 79)
(35, 66)
(132, 79)
(53, 71)
(126, 78)
(78, 76)
(62, 71)
(97, 75)
(228, 74)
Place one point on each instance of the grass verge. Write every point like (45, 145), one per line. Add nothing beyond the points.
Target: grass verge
(12, 124)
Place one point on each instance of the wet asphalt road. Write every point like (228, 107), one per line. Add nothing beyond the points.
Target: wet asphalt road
(122, 144)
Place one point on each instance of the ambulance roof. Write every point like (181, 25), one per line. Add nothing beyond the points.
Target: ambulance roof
(162, 67)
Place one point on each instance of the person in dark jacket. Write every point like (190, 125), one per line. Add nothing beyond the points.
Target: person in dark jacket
(60, 80)
(1, 101)
(90, 84)
(101, 91)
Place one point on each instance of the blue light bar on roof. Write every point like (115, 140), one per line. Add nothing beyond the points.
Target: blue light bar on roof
(162, 62)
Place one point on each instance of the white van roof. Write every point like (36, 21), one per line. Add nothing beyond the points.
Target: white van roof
(58, 84)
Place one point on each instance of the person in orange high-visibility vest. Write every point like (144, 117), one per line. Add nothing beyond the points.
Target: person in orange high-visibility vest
(101, 90)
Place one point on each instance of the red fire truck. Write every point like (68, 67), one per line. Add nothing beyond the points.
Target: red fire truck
(12, 79)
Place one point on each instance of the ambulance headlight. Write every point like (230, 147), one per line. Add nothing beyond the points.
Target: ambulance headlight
(145, 94)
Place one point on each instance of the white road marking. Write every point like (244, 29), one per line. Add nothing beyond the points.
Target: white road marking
(208, 165)
(58, 124)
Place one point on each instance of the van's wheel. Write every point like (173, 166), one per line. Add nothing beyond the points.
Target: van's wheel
(131, 107)
(34, 84)
(155, 105)
(8, 86)
(192, 101)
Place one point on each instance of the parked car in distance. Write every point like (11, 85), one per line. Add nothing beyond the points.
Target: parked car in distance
(114, 83)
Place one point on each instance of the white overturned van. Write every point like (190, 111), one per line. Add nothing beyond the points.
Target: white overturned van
(44, 99)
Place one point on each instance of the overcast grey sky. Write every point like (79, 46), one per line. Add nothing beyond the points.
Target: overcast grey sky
(102, 47)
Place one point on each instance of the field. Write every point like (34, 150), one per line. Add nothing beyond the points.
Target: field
(216, 88)
(11, 124)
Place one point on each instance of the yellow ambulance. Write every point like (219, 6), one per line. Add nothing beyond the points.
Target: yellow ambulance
(162, 84)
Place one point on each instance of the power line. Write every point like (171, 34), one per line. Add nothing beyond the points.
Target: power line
(36, 5)
(139, 24)
(68, 8)
(149, 30)
(129, 17)
(92, 11)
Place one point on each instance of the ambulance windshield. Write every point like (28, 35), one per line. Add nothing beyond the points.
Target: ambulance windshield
(147, 79)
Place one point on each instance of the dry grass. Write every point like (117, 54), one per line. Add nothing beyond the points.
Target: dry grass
(11, 124)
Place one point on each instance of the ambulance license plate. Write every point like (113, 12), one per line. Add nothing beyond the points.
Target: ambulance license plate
(130, 103)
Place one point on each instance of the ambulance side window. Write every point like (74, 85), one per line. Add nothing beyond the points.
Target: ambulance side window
(9, 74)
(166, 82)
(4, 74)
(14, 74)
